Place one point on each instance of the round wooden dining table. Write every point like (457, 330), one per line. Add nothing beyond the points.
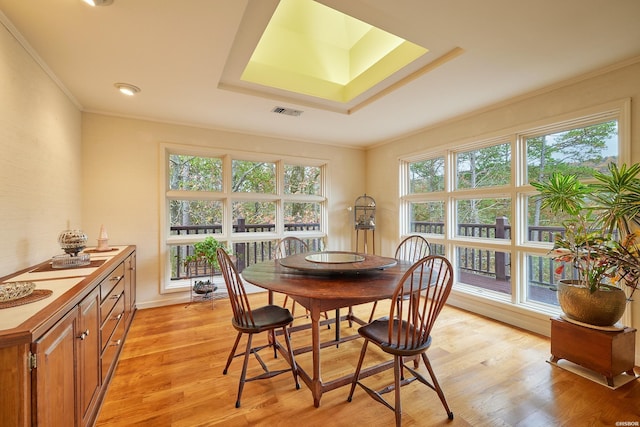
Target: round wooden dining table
(331, 284)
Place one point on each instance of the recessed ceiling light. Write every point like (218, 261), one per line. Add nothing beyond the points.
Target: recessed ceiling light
(98, 2)
(127, 89)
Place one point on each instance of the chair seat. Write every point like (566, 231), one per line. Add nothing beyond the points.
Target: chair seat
(267, 317)
(378, 333)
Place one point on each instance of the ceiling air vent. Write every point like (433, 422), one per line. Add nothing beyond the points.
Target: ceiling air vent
(286, 111)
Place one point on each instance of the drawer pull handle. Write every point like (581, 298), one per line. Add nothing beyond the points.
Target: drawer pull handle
(116, 343)
(115, 296)
(84, 335)
(115, 278)
(118, 317)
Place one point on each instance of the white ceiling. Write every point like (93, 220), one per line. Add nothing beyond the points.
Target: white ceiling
(185, 54)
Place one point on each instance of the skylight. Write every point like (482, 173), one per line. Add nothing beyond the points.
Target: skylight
(311, 49)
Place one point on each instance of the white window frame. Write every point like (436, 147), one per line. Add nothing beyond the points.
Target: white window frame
(518, 190)
(228, 198)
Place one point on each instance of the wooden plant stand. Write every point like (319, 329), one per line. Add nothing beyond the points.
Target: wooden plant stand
(609, 353)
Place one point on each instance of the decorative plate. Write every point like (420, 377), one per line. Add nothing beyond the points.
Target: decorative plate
(334, 257)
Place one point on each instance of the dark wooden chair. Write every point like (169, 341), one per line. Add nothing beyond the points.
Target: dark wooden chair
(411, 249)
(406, 333)
(290, 246)
(285, 247)
(250, 322)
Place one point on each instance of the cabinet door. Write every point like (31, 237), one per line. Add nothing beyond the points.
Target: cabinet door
(54, 377)
(89, 355)
(15, 386)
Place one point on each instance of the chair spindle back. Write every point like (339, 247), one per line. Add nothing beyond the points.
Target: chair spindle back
(428, 283)
(413, 248)
(289, 246)
(237, 295)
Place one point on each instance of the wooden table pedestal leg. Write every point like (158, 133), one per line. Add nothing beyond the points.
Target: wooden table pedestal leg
(315, 343)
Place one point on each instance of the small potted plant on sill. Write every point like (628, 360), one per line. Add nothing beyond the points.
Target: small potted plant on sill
(204, 256)
(601, 242)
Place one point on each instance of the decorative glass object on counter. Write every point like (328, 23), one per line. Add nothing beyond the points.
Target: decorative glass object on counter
(70, 261)
(72, 241)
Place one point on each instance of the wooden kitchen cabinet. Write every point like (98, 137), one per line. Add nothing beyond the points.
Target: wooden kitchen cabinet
(54, 374)
(55, 366)
(66, 359)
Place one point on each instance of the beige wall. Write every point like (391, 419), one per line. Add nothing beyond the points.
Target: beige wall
(40, 160)
(122, 181)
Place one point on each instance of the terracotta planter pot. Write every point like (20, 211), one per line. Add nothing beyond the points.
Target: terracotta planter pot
(604, 307)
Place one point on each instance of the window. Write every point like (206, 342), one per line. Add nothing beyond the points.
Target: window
(426, 175)
(424, 207)
(427, 217)
(482, 212)
(485, 167)
(253, 216)
(253, 177)
(299, 179)
(487, 217)
(484, 269)
(192, 173)
(579, 150)
(245, 203)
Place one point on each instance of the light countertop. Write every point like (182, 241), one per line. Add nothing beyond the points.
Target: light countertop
(58, 281)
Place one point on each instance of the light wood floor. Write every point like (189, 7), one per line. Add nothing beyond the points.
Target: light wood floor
(170, 374)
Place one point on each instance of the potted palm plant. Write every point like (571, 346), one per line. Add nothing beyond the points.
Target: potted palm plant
(601, 241)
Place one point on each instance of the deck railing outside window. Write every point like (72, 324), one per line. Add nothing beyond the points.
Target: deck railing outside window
(246, 253)
(482, 263)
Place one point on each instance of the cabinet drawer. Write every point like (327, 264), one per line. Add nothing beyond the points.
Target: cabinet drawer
(111, 300)
(111, 322)
(107, 285)
(112, 348)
